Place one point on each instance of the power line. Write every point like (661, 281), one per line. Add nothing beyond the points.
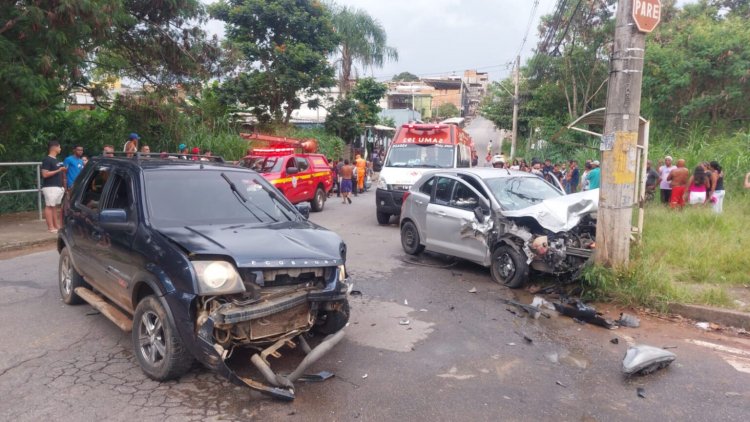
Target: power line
(528, 26)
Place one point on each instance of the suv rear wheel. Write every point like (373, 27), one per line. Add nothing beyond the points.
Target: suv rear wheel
(69, 279)
(319, 200)
(158, 347)
(509, 268)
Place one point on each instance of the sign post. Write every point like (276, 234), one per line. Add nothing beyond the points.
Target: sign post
(617, 195)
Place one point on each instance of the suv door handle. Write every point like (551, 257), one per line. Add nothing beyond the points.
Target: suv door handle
(440, 213)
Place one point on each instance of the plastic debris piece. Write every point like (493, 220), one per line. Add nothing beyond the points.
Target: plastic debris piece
(703, 325)
(364, 376)
(561, 384)
(528, 339)
(615, 341)
(627, 320)
(641, 392)
(404, 321)
(511, 344)
(423, 310)
(540, 302)
(643, 359)
(473, 290)
(356, 293)
(406, 302)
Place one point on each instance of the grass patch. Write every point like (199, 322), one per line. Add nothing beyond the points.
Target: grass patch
(689, 256)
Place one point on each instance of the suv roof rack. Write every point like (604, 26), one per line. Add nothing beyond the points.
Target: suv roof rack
(166, 156)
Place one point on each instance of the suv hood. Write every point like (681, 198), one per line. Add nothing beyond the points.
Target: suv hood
(293, 244)
(563, 213)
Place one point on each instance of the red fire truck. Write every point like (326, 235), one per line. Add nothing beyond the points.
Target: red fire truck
(292, 166)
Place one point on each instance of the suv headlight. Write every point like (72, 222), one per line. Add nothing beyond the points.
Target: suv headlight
(382, 184)
(217, 277)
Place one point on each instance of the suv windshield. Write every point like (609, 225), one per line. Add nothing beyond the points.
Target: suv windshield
(263, 164)
(197, 197)
(421, 155)
(516, 193)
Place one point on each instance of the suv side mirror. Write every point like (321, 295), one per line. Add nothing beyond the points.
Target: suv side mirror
(115, 220)
(304, 209)
(292, 170)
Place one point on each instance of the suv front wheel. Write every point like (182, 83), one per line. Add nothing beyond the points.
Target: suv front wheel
(158, 347)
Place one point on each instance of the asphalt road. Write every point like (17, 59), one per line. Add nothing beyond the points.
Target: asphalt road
(462, 355)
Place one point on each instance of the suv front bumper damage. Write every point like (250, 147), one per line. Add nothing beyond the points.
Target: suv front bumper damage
(278, 386)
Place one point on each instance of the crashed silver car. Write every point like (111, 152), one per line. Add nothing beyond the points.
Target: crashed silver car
(507, 220)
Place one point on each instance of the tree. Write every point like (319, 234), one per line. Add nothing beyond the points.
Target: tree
(448, 110)
(342, 120)
(405, 77)
(161, 44)
(283, 45)
(362, 40)
(368, 93)
(696, 66)
(43, 49)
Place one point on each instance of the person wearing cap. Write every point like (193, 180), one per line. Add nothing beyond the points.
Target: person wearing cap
(664, 185)
(131, 145)
(594, 177)
(498, 161)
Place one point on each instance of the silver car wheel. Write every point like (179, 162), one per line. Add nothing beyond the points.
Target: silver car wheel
(153, 347)
(505, 266)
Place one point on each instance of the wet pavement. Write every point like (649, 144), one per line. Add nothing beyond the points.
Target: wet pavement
(420, 346)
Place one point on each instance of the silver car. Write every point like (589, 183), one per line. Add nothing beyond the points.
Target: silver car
(507, 220)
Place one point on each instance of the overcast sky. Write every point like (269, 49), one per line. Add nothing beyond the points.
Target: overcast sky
(439, 37)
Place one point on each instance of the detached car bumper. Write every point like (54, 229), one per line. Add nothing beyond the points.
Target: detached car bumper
(271, 324)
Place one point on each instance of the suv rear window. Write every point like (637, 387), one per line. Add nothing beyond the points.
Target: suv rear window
(198, 197)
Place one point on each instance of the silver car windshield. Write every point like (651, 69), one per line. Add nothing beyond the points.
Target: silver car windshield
(516, 193)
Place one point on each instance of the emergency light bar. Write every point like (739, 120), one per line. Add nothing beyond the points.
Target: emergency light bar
(272, 151)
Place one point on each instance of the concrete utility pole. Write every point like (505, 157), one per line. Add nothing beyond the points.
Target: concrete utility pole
(514, 135)
(620, 139)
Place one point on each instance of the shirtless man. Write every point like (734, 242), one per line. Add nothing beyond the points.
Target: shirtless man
(678, 181)
(347, 171)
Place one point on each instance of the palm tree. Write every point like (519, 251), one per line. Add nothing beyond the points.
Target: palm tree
(363, 40)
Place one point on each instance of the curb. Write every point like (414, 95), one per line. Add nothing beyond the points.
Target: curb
(11, 247)
(704, 313)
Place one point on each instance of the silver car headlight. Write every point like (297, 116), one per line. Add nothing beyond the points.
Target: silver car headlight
(382, 184)
(217, 278)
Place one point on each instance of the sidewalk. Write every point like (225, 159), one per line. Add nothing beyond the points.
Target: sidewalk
(24, 230)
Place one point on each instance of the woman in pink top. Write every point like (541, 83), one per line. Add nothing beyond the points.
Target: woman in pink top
(697, 187)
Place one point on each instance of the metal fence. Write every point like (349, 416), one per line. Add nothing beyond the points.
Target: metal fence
(38, 189)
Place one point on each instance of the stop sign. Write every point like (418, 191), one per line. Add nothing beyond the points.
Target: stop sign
(646, 14)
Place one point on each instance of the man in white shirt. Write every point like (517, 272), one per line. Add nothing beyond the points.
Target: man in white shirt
(664, 186)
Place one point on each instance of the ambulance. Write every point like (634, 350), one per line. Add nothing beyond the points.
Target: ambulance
(416, 148)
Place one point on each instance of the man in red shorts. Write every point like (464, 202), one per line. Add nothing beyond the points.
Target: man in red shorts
(678, 180)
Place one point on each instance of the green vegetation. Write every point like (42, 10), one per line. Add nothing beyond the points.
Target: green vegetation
(692, 256)
(282, 48)
(695, 93)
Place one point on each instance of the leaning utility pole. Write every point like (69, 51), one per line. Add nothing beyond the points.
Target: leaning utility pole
(514, 135)
(620, 139)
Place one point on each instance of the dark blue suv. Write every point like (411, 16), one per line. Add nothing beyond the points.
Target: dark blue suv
(203, 260)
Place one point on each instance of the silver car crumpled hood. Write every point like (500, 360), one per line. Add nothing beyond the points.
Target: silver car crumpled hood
(563, 213)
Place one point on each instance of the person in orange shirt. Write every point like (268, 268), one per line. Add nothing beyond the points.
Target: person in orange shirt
(361, 165)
